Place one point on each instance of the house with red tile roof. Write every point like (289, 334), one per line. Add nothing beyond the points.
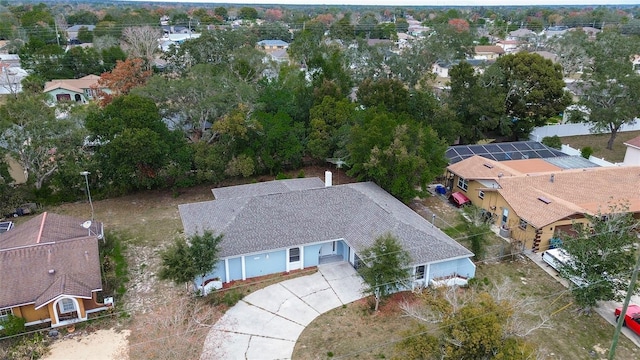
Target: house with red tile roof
(534, 200)
(50, 270)
(72, 90)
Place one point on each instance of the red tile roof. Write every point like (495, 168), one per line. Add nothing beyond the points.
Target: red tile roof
(635, 142)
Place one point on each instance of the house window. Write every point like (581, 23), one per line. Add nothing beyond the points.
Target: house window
(294, 254)
(4, 314)
(481, 194)
(63, 97)
(463, 184)
(523, 224)
(67, 306)
(420, 272)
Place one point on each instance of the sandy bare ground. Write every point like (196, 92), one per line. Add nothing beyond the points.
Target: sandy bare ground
(108, 344)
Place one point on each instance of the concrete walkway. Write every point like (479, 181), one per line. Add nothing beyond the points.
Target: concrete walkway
(266, 324)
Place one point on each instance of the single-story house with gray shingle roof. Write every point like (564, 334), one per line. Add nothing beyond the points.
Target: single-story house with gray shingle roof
(284, 225)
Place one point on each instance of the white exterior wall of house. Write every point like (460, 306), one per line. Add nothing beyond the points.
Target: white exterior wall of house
(632, 156)
(73, 95)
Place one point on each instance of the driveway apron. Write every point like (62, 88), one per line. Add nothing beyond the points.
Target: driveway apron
(266, 324)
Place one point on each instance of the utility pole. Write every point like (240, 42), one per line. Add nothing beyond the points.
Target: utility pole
(57, 35)
(627, 299)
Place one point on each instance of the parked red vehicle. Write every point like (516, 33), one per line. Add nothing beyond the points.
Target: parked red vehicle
(632, 319)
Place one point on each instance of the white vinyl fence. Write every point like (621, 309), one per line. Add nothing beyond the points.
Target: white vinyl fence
(561, 130)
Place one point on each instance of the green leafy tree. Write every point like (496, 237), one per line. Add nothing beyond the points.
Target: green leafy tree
(329, 123)
(82, 17)
(476, 227)
(137, 149)
(289, 92)
(13, 325)
(35, 138)
(388, 94)
(221, 11)
(218, 47)
(110, 57)
(533, 90)
(428, 110)
(552, 141)
(197, 100)
(42, 59)
(602, 256)
(85, 35)
(248, 13)
(385, 267)
(398, 153)
(478, 108)
(183, 261)
(80, 61)
(611, 83)
(279, 146)
(343, 29)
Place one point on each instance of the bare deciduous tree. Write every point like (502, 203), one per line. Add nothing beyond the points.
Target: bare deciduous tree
(141, 42)
(176, 329)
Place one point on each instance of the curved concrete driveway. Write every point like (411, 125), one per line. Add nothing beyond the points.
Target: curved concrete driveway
(266, 324)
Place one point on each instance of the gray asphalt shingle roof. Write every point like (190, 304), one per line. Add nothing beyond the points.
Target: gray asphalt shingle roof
(261, 220)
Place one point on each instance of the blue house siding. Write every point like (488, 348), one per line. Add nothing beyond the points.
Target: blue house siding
(265, 264)
(311, 255)
(235, 269)
(462, 267)
(342, 249)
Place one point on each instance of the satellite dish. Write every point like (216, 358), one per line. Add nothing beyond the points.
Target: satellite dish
(86, 224)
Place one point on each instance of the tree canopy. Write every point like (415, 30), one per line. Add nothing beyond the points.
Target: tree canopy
(183, 261)
(602, 253)
(384, 267)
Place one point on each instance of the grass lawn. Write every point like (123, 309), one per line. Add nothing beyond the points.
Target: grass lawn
(354, 332)
(598, 142)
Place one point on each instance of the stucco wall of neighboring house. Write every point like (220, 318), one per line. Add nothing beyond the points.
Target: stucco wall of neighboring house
(549, 231)
(72, 94)
(632, 156)
(30, 314)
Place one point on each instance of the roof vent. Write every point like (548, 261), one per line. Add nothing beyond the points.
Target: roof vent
(488, 165)
(544, 200)
(552, 177)
(52, 271)
(500, 175)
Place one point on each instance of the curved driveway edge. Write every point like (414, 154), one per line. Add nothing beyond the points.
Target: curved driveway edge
(266, 324)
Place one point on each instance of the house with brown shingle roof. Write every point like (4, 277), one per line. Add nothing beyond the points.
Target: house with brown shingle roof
(534, 200)
(50, 270)
(72, 90)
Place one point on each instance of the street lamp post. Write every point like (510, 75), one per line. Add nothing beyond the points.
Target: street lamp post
(86, 181)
